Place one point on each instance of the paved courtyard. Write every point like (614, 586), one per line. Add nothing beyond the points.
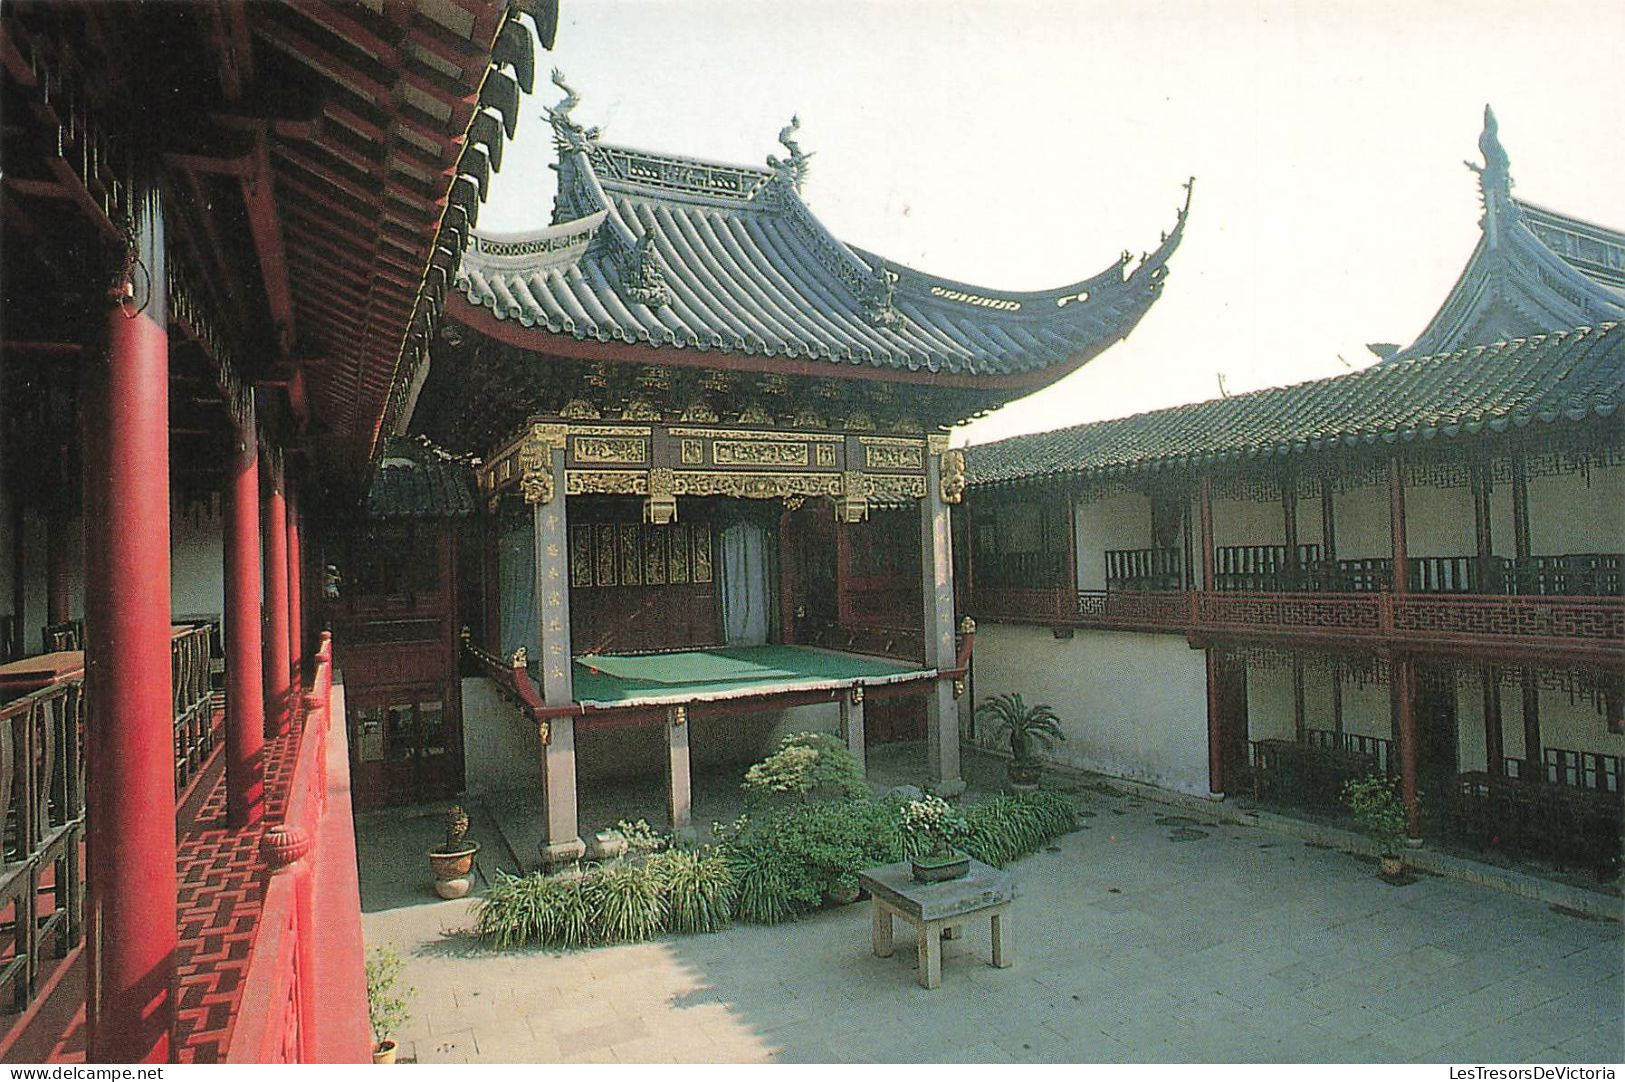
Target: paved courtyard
(1154, 934)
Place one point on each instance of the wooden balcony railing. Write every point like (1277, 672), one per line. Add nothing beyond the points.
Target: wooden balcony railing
(304, 997)
(1470, 621)
(42, 824)
(189, 669)
(1264, 569)
(1145, 569)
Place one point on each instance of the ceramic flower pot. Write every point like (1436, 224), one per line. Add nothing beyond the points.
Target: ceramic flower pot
(384, 1053)
(452, 865)
(938, 869)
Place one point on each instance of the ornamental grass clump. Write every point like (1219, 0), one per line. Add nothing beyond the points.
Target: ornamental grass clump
(1008, 827)
(536, 910)
(699, 890)
(626, 901)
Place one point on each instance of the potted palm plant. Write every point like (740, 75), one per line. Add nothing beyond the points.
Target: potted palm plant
(1379, 811)
(386, 1001)
(453, 860)
(1028, 728)
(932, 834)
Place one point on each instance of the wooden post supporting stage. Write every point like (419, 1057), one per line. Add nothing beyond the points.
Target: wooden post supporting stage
(541, 467)
(130, 789)
(1526, 676)
(941, 651)
(245, 687)
(852, 725)
(679, 780)
(278, 668)
(1403, 669)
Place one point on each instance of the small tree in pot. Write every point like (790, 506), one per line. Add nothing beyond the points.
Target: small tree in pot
(386, 1000)
(933, 833)
(1029, 728)
(1380, 812)
(453, 860)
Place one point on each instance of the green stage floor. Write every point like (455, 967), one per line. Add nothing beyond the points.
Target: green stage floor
(724, 672)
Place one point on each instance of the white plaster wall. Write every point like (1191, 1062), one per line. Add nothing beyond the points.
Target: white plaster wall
(735, 741)
(1574, 724)
(1131, 705)
(500, 748)
(1269, 703)
(1438, 521)
(1571, 513)
(196, 560)
(1367, 709)
(1248, 522)
(1362, 523)
(1118, 521)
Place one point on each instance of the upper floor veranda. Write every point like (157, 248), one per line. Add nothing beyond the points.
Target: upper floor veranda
(1509, 547)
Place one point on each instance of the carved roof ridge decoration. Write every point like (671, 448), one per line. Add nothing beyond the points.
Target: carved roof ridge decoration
(1533, 270)
(1575, 375)
(728, 258)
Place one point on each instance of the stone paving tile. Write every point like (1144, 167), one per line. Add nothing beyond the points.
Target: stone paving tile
(1243, 946)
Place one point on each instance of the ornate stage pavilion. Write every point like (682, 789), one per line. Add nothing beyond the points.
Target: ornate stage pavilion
(709, 444)
(229, 229)
(1413, 569)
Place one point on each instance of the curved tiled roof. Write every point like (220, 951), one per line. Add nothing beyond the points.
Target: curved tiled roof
(415, 479)
(1533, 270)
(1567, 376)
(664, 251)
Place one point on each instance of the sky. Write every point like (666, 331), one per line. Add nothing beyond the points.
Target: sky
(1023, 144)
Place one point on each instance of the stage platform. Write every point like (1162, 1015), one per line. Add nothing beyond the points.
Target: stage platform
(742, 672)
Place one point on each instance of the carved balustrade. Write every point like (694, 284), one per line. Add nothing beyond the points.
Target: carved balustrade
(304, 996)
(1145, 569)
(1378, 619)
(190, 659)
(42, 820)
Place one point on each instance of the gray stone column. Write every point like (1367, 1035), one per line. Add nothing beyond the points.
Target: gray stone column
(541, 465)
(944, 483)
(852, 723)
(679, 786)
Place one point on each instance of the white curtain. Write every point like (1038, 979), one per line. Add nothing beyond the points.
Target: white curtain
(745, 595)
(516, 584)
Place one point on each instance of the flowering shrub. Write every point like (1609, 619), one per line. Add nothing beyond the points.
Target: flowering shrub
(931, 827)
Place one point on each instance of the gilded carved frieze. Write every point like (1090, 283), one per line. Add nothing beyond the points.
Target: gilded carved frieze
(758, 453)
(756, 486)
(880, 453)
(691, 452)
(610, 450)
(896, 487)
(606, 482)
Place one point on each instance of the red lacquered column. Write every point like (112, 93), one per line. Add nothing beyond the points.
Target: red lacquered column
(296, 610)
(245, 687)
(278, 694)
(129, 732)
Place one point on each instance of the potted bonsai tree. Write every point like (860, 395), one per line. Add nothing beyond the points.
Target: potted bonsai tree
(453, 860)
(1028, 729)
(386, 1001)
(932, 834)
(1378, 811)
